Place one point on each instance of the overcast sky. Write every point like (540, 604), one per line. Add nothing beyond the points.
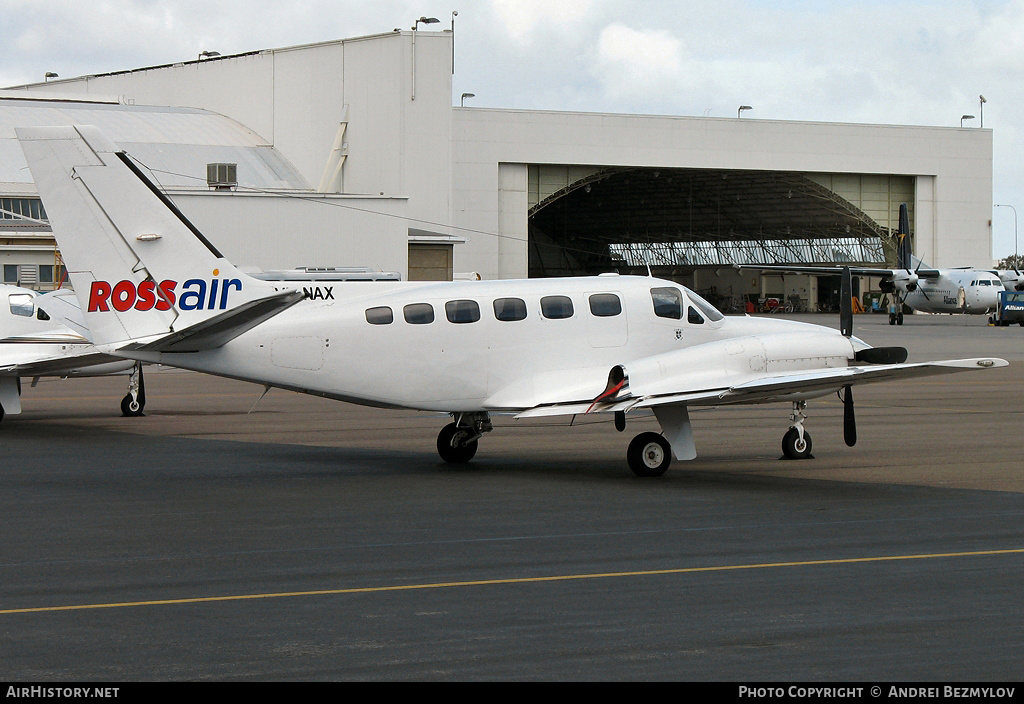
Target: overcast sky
(886, 61)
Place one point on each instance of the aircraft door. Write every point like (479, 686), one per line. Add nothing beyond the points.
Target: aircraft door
(606, 319)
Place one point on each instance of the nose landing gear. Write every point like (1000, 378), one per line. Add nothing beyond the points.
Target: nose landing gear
(796, 443)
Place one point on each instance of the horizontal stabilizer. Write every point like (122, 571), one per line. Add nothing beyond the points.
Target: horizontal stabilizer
(220, 329)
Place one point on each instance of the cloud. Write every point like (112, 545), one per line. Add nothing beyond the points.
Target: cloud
(633, 61)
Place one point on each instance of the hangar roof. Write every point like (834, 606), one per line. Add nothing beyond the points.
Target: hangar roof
(175, 143)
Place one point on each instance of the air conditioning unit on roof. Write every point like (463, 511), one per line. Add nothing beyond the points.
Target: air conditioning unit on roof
(222, 177)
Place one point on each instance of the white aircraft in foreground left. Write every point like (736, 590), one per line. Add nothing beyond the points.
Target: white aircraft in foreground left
(40, 336)
(152, 288)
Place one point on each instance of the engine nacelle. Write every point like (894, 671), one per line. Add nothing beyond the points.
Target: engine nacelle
(886, 286)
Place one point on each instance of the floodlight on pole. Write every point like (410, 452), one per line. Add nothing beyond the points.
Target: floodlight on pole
(981, 104)
(965, 117)
(742, 108)
(424, 20)
(467, 95)
(49, 75)
(208, 55)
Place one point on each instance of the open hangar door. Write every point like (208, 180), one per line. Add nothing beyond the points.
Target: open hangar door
(694, 225)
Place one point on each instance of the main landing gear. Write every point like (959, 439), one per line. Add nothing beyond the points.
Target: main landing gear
(649, 455)
(457, 442)
(134, 402)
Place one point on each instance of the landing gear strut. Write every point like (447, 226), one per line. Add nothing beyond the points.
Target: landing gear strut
(134, 402)
(796, 443)
(457, 442)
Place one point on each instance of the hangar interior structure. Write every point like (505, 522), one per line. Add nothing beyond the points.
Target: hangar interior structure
(350, 154)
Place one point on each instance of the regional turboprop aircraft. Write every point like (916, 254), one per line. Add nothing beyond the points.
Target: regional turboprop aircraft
(36, 341)
(154, 289)
(918, 286)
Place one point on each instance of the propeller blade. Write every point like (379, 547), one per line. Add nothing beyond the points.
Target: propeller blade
(846, 303)
(849, 423)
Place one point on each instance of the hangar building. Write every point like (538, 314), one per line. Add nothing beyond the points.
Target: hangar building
(350, 153)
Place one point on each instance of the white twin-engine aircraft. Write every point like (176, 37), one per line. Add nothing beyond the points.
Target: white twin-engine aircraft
(40, 336)
(152, 288)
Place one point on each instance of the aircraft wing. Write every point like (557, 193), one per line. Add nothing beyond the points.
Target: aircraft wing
(924, 273)
(706, 390)
(87, 364)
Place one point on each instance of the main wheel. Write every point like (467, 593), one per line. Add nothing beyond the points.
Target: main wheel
(451, 444)
(649, 455)
(794, 447)
(892, 318)
(131, 407)
(899, 318)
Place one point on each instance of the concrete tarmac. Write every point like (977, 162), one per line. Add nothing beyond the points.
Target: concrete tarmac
(315, 540)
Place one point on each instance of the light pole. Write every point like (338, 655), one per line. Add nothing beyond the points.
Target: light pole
(208, 54)
(467, 95)
(421, 20)
(742, 108)
(49, 75)
(981, 104)
(965, 117)
(1015, 255)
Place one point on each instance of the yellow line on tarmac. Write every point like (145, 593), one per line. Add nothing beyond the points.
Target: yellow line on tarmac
(509, 580)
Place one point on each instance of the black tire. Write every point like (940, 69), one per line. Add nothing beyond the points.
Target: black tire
(450, 445)
(892, 318)
(649, 455)
(795, 449)
(130, 407)
(899, 318)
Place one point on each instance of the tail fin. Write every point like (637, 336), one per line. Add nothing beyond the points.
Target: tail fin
(904, 255)
(139, 267)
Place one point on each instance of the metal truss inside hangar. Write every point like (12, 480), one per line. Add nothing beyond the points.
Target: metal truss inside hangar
(589, 220)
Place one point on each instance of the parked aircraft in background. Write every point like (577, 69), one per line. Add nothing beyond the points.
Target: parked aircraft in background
(916, 285)
(34, 344)
(154, 289)
(1012, 279)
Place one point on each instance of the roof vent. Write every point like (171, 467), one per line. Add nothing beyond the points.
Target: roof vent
(222, 177)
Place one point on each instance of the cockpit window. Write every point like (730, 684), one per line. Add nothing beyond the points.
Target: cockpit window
(21, 304)
(709, 311)
(668, 303)
(693, 317)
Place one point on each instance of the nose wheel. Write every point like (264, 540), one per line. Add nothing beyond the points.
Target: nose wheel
(796, 443)
(134, 402)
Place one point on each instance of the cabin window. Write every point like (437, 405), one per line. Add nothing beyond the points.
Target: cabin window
(21, 304)
(706, 309)
(419, 313)
(605, 305)
(556, 307)
(693, 317)
(462, 311)
(509, 309)
(668, 303)
(381, 315)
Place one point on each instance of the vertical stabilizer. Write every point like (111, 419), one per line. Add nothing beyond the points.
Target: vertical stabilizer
(138, 266)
